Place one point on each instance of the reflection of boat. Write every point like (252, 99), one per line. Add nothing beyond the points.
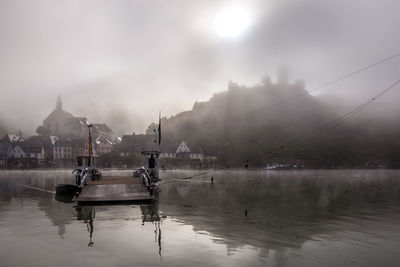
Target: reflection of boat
(87, 214)
(150, 214)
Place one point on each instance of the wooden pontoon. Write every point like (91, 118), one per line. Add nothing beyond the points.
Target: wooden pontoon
(113, 189)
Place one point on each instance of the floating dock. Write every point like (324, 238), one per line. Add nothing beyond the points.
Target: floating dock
(114, 189)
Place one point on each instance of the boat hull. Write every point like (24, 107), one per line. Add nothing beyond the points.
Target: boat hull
(66, 189)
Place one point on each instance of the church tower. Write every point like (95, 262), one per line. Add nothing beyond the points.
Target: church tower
(59, 103)
(58, 119)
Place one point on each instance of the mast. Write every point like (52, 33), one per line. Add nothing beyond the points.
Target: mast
(90, 142)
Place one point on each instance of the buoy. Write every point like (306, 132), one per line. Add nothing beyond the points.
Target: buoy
(245, 212)
(212, 179)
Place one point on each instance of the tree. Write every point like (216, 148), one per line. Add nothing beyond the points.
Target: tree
(41, 130)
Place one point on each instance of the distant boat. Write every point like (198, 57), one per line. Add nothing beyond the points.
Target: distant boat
(278, 166)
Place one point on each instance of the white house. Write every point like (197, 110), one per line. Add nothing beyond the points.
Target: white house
(17, 152)
(169, 154)
(103, 145)
(182, 148)
(62, 149)
(182, 151)
(26, 150)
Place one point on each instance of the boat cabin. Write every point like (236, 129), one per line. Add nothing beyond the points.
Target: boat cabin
(86, 162)
(152, 163)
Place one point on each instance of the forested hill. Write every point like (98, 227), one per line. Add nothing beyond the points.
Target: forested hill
(244, 122)
(3, 131)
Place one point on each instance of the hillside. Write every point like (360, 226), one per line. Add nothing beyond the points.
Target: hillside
(3, 131)
(243, 122)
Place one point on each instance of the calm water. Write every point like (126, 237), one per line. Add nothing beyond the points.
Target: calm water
(306, 218)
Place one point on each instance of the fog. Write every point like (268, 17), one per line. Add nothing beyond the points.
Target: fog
(120, 62)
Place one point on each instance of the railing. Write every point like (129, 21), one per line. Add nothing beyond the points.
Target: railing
(85, 177)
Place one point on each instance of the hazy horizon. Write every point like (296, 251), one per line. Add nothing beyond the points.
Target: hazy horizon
(120, 62)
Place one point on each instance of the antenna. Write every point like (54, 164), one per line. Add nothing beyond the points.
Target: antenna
(90, 142)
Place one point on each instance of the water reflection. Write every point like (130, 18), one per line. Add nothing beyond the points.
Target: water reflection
(149, 214)
(286, 211)
(87, 214)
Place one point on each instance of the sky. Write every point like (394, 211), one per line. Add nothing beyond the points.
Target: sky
(120, 62)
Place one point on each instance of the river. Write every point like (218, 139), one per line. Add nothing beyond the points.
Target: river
(243, 218)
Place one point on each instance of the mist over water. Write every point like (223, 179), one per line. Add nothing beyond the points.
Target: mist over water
(294, 218)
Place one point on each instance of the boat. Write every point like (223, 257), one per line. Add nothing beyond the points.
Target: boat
(66, 189)
(92, 186)
(85, 170)
(277, 166)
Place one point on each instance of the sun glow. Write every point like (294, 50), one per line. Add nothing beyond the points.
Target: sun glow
(232, 22)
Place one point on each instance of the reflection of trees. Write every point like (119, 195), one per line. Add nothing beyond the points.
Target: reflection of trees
(34, 185)
(8, 189)
(285, 209)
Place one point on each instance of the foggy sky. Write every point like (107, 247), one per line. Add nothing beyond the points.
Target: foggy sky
(120, 62)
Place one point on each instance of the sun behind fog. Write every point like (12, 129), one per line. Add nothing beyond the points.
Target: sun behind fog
(232, 22)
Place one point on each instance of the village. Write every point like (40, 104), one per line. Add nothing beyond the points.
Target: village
(63, 137)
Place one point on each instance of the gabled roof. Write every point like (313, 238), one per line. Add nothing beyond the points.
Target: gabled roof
(63, 141)
(168, 148)
(78, 142)
(58, 113)
(29, 147)
(75, 123)
(193, 149)
(102, 127)
(136, 142)
(103, 140)
(39, 139)
(53, 139)
(12, 138)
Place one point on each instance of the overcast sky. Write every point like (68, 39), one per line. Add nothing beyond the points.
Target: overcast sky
(122, 61)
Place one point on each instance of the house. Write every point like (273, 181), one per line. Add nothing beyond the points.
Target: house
(46, 142)
(75, 127)
(4, 153)
(11, 138)
(168, 151)
(78, 147)
(62, 149)
(6, 144)
(62, 123)
(183, 151)
(17, 152)
(135, 143)
(26, 154)
(103, 145)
